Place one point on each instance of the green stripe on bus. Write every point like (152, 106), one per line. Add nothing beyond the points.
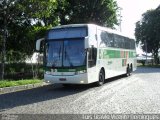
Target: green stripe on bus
(104, 54)
(67, 69)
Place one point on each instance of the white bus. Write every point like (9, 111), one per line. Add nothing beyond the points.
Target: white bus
(86, 53)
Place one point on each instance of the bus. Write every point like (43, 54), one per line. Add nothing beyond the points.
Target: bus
(86, 53)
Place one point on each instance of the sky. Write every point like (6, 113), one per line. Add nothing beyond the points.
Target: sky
(131, 12)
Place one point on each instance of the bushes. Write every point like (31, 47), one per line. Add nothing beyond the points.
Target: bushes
(16, 71)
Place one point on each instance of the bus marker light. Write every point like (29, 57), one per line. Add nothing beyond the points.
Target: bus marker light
(81, 81)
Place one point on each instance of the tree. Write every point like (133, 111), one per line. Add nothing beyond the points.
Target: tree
(21, 21)
(7, 12)
(147, 32)
(16, 22)
(101, 12)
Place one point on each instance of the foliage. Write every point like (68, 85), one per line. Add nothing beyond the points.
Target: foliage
(24, 21)
(101, 12)
(0, 47)
(17, 71)
(147, 32)
(20, 19)
(39, 10)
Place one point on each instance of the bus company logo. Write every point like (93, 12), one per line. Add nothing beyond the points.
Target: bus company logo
(110, 62)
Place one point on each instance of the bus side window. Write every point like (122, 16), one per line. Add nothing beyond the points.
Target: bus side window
(132, 44)
(92, 56)
(111, 40)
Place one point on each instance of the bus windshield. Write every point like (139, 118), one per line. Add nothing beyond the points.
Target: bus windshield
(66, 53)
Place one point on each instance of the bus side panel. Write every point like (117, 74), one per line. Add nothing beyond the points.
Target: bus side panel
(114, 59)
(92, 35)
(93, 74)
(112, 67)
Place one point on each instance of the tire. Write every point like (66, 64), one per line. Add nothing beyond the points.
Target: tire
(131, 68)
(101, 78)
(128, 72)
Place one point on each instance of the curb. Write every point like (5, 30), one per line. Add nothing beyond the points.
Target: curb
(21, 87)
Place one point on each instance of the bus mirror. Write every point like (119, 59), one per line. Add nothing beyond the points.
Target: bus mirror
(86, 42)
(87, 49)
(92, 56)
(38, 44)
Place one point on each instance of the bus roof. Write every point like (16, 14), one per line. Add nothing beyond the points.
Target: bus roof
(91, 25)
(70, 25)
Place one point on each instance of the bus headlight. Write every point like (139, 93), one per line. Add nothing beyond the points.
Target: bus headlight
(48, 72)
(80, 72)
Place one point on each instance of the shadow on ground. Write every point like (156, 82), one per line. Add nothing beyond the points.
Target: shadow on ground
(147, 70)
(49, 92)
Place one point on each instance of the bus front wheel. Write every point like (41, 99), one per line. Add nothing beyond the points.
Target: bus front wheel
(101, 78)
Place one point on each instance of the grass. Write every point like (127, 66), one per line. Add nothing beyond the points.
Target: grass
(9, 83)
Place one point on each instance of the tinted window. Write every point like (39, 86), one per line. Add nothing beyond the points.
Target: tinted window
(132, 44)
(74, 32)
(66, 53)
(127, 43)
(114, 40)
(123, 42)
(107, 39)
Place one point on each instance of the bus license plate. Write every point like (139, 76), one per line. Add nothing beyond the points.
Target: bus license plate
(62, 79)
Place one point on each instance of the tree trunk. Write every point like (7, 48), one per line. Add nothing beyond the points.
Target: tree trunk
(3, 52)
(156, 57)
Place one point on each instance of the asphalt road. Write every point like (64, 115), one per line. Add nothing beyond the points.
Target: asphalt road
(139, 93)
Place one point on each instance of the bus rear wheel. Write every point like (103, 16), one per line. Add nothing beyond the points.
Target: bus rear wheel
(128, 71)
(101, 78)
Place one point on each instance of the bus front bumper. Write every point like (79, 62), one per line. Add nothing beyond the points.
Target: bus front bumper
(68, 79)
